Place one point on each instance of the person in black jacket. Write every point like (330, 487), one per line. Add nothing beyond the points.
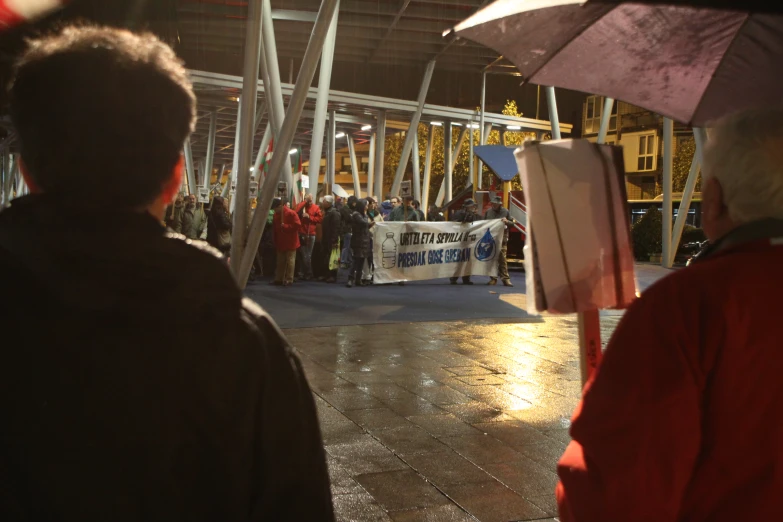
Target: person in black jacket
(219, 226)
(137, 384)
(330, 235)
(360, 242)
(467, 214)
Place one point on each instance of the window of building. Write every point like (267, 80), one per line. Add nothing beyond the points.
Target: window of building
(594, 107)
(647, 151)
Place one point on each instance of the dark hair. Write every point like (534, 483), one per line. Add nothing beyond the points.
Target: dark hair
(218, 206)
(361, 206)
(416, 203)
(101, 113)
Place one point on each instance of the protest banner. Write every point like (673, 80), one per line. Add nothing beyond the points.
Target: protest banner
(417, 251)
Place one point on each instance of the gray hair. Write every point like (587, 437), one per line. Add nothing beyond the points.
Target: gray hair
(329, 199)
(745, 154)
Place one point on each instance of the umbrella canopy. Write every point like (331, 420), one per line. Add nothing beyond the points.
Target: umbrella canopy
(500, 160)
(755, 6)
(691, 64)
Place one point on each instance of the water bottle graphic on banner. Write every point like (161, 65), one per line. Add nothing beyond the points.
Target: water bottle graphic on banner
(486, 247)
(389, 251)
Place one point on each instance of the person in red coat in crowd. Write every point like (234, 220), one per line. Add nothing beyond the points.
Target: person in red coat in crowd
(286, 224)
(682, 421)
(310, 215)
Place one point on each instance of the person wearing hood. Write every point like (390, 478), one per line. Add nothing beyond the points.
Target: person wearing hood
(386, 207)
(138, 384)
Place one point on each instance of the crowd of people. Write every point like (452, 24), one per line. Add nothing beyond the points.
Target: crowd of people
(312, 242)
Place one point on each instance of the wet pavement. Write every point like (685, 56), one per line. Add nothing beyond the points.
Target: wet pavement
(458, 420)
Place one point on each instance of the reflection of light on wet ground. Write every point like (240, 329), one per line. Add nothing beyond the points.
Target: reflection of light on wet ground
(491, 398)
(517, 300)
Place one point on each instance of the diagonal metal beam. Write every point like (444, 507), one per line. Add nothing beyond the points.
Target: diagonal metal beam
(390, 30)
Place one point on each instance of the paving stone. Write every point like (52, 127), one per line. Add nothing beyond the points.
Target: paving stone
(480, 449)
(450, 513)
(447, 468)
(481, 380)
(547, 503)
(442, 394)
(365, 456)
(443, 425)
(475, 411)
(409, 407)
(377, 419)
(358, 507)
(347, 399)
(410, 440)
(547, 454)
(401, 490)
(526, 477)
(470, 369)
(493, 502)
(513, 432)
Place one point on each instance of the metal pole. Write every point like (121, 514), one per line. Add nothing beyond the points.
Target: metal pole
(416, 167)
(453, 164)
(371, 166)
(425, 201)
(447, 155)
(274, 92)
(503, 137)
(538, 100)
(380, 144)
(233, 175)
(485, 130)
(11, 167)
(190, 168)
(330, 164)
(554, 120)
(414, 125)
(605, 116)
(668, 138)
(357, 188)
(322, 103)
(699, 137)
(241, 200)
(482, 140)
(211, 147)
(291, 70)
(298, 98)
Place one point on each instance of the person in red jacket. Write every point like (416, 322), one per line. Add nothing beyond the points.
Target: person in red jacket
(310, 215)
(286, 225)
(682, 421)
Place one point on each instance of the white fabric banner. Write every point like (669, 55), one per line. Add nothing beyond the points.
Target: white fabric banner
(417, 251)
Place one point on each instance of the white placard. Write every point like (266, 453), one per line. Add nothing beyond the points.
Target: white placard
(253, 189)
(305, 182)
(417, 251)
(203, 195)
(405, 188)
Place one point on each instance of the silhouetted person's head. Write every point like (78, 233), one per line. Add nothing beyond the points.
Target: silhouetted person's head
(102, 115)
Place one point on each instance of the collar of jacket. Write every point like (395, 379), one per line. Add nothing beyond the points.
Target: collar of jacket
(747, 233)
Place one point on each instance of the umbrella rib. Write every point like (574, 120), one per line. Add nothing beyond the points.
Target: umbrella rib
(722, 62)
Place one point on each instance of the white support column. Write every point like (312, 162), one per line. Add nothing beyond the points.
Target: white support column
(332, 156)
(357, 187)
(190, 168)
(606, 115)
(233, 176)
(699, 136)
(425, 201)
(11, 166)
(210, 163)
(270, 68)
(380, 144)
(321, 104)
(416, 168)
(412, 128)
(482, 139)
(554, 119)
(246, 131)
(503, 137)
(447, 168)
(287, 131)
(454, 157)
(371, 167)
(668, 157)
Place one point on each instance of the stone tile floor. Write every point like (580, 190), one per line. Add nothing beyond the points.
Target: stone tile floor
(457, 421)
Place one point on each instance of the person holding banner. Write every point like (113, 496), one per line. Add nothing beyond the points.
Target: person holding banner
(360, 241)
(499, 212)
(467, 214)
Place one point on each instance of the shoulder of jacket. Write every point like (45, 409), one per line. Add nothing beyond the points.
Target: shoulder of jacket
(200, 247)
(258, 320)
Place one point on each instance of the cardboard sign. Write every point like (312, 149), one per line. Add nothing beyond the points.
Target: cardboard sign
(405, 189)
(203, 195)
(253, 189)
(282, 189)
(306, 182)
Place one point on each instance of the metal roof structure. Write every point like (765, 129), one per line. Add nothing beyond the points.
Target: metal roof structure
(390, 32)
(220, 92)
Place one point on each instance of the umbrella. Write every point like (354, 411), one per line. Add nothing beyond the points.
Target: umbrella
(500, 160)
(691, 64)
(756, 6)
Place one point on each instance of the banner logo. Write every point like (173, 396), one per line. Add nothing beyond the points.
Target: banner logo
(486, 248)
